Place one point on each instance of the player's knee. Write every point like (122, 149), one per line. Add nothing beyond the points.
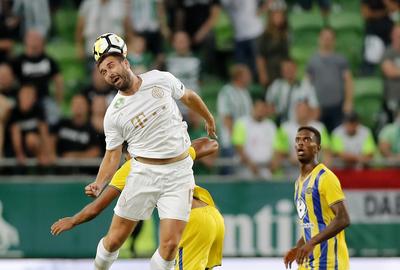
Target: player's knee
(112, 243)
(170, 246)
(32, 142)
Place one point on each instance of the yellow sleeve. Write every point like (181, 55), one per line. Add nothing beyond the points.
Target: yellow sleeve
(119, 179)
(330, 188)
(192, 152)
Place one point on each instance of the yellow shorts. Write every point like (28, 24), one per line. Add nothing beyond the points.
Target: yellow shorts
(202, 240)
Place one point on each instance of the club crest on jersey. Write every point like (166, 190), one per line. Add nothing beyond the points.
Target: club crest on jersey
(119, 102)
(309, 190)
(301, 208)
(157, 92)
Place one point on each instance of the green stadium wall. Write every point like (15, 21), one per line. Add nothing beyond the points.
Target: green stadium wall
(260, 219)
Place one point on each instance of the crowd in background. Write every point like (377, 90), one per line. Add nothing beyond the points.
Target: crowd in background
(178, 36)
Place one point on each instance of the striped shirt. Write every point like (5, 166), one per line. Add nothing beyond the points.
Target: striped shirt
(313, 197)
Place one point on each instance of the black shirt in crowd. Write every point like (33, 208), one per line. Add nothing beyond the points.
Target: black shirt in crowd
(71, 137)
(380, 26)
(196, 13)
(36, 70)
(27, 121)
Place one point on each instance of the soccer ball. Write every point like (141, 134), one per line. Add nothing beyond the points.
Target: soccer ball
(108, 43)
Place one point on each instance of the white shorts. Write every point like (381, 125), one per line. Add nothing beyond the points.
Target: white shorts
(169, 187)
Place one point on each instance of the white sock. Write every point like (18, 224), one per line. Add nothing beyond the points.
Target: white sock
(104, 259)
(158, 263)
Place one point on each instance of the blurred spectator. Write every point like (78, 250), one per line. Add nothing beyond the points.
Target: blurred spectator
(97, 17)
(138, 56)
(391, 73)
(284, 93)
(99, 87)
(8, 26)
(273, 46)
(389, 143)
(34, 66)
(197, 18)
(287, 134)
(248, 26)
(377, 33)
(330, 74)
(5, 108)
(196, 130)
(8, 84)
(233, 102)
(148, 19)
(254, 137)
(324, 6)
(352, 142)
(76, 137)
(98, 111)
(377, 20)
(28, 128)
(33, 15)
(184, 65)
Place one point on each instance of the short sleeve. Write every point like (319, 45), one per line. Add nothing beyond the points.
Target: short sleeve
(386, 135)
(331, 189)
(337, 145)
(113, 136)
(325, 140)
(369, 146)
(119, 179)
(281, 143)
(177, 87)
(239, 133)
(223, 104)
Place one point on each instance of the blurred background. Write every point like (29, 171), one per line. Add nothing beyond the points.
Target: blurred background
(263, 67)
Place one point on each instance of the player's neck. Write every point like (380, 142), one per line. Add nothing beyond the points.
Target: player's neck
(137, 82)
(306, 169)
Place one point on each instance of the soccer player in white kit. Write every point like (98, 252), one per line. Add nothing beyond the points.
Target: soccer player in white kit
(144, 114)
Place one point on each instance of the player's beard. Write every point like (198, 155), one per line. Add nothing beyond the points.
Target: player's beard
(127, 81)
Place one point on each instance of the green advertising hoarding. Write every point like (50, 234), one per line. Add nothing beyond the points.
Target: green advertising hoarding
(260, 219)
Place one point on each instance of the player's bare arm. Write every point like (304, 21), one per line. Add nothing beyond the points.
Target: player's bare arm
(90, 211)
(194, 102)
(339, 223)
(108, 167)
(204, 146)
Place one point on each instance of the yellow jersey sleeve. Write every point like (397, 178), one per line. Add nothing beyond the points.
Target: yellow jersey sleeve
(192, 152)
(203, 195)
(331, 189)
(119, 179)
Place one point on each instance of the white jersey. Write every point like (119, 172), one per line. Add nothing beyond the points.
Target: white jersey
(149, 120)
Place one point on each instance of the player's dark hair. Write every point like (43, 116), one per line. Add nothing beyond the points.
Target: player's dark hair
(115, 54)
(317, 134)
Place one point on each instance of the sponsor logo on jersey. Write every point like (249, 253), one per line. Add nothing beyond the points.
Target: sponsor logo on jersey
(157, 92)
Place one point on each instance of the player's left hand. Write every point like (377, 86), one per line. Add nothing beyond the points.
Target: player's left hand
(62, 225)
(289, 257)
(303, 252)
(211, 129)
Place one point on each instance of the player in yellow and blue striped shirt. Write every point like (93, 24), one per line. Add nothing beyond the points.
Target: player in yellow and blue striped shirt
(321, 211)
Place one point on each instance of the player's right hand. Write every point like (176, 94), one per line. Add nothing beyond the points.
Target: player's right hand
(92, 190)
(290, 257)
(62, 225)
(211, 129)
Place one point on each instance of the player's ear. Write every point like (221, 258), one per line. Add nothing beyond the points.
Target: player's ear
(126, 63)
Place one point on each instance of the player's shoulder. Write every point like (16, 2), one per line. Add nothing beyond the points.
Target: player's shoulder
(155, 74)
(327, 173)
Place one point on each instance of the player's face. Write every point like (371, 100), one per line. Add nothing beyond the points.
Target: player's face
(306, 146)
(116, 72)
